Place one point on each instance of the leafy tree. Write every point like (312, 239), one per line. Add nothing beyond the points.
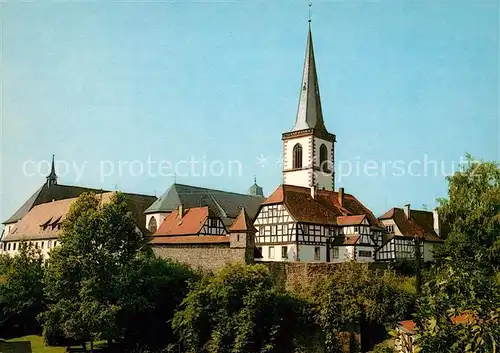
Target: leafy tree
(354, 297)
(465, 282)
(82, 282)
(21, 291)
(465, 291)
(239, 310)
(472, 210)
(152, 289)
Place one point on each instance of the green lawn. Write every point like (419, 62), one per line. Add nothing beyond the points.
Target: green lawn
(37, 344)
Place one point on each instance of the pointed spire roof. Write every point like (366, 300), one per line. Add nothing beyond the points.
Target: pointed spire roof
(242, 223)
(309, 114)
(52, 177)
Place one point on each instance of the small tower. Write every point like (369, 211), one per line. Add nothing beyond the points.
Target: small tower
(308, 149)
(255, 190)
(52, 177)
(242, 235)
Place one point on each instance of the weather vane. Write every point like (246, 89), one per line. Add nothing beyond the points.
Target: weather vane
(310, 5)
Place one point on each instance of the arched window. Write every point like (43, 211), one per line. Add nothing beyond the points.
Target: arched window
(323, 157)
(152, 226)
(297, 156)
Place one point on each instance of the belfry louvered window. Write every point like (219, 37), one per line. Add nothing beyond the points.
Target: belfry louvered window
(297, 156)
(323, 158)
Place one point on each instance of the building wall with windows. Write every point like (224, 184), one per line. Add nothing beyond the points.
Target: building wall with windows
(158, 220)
(293, 175)
(44, 245)
(324, 173)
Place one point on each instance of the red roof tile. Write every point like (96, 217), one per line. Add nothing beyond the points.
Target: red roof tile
(191, 222)
(408, 325)
(323, 209)
(346, 240)
(191, 239)
(350, 220)
(243, 223)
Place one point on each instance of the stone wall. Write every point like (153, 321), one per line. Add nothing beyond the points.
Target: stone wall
(204, 256)
(297, 276)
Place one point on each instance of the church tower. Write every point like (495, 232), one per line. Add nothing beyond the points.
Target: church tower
(308, 149)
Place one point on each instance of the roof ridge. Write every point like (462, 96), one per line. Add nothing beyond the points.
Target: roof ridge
(218, 190)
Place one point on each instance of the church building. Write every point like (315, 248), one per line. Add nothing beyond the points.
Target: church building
(305, 219)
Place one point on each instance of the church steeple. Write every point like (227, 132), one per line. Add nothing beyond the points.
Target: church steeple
(52, 177)
(309, 113)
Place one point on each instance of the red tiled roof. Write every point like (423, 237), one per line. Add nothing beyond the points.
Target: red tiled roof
(465, 318)
(191, 239)
(346, 240)
(243, 223)
(191, 222)
(408, 325)
(421, 223)
(350, 220)
(323, 209)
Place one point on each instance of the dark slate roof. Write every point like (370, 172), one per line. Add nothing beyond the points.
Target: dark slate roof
(223, 204)
(56, 192)
(48, 193)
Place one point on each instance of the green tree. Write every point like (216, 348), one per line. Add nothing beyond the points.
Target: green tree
(239, 310)
(152, 289)
(353, 298)
(21, 291)
(472, 210)
(465, 291)
(465, 282)
(82, 281)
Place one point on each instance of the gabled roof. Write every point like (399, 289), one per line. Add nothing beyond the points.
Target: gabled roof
(420, 223)
(52, 213)
(346, 240)
(48, 193)
(223, 204)
(350, 220)
(323, 209)
(192, 239)
(191, 223)
(243, 223)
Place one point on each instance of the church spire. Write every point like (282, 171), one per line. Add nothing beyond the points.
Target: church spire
(52, 177)
(309, 114)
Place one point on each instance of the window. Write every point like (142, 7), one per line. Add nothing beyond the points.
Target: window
(356, 229)
(8, 246)
(55, 243)
(152, 226)
(323, 158)
(363, 253)
(14, 246)
(41, 246)
(271, 252)
(390, 229)
(297, 156)
(335, 252)
(317, 253)
(284, 252)
(238, 237)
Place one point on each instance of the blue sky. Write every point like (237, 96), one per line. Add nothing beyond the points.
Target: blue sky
(170, 81)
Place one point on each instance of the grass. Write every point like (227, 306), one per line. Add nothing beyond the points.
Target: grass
(37, 344)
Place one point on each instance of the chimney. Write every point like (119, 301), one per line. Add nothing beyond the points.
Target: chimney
(407, 210)
(435, 217)
(313, 191)
(341, 197)
(180, 212)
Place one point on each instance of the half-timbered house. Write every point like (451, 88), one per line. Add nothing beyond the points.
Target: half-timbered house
(403, 225)
(295, 224)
